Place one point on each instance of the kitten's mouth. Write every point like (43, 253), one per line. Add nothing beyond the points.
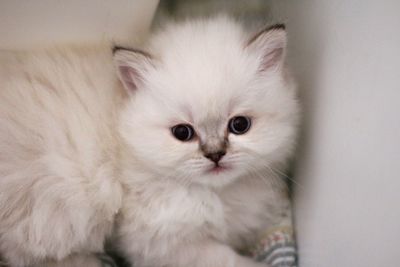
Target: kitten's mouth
(217, 169)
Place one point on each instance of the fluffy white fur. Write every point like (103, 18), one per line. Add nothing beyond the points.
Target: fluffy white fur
(175, 212)
(76, 148)
(58, 179)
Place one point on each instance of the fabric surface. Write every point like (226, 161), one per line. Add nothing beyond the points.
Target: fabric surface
(277, 248)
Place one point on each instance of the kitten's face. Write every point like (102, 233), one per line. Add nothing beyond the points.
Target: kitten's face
(209, 117)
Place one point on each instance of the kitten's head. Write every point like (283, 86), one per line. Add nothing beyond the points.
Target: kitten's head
(208, 103)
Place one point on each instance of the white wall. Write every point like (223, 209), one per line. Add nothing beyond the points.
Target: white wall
(346, 54)
(25, 23)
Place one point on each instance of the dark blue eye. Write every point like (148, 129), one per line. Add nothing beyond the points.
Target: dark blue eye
(239, 125)
(183, 132)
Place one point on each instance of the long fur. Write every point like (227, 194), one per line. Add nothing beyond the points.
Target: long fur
(59, 190)
(203, 73)
(77, 149)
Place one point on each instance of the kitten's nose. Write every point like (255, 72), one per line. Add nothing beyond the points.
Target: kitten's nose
(215, 156)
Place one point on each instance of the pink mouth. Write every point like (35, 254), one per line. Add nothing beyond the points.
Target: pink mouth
(218, 169)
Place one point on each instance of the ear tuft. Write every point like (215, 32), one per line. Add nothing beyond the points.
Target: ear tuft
(132, 65)
(270, 44)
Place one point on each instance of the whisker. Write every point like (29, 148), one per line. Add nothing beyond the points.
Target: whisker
(287, 177)
(274, 169)
(274, 183)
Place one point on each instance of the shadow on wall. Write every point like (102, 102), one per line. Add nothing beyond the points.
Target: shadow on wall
(305, 57)
(249, 11)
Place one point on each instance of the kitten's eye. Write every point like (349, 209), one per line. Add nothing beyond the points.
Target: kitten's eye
(183, 132)
(239, 124)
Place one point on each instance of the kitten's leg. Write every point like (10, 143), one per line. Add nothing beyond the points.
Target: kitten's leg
(53, 222)
(44, 215)
(20, 246)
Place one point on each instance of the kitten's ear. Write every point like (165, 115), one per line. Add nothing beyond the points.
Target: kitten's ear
(270, 45)
(131, 66)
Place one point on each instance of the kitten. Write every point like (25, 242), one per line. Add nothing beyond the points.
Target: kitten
(185, 155)
(212, 115)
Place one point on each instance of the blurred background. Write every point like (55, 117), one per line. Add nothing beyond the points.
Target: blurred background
(245, 10)
(345, 55)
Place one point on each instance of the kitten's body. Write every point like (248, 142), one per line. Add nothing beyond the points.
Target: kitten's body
(58, 187)
(182, 225)
(71, 138)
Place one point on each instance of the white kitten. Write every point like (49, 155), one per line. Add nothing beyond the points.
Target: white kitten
(212, 114)
(185, 203)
